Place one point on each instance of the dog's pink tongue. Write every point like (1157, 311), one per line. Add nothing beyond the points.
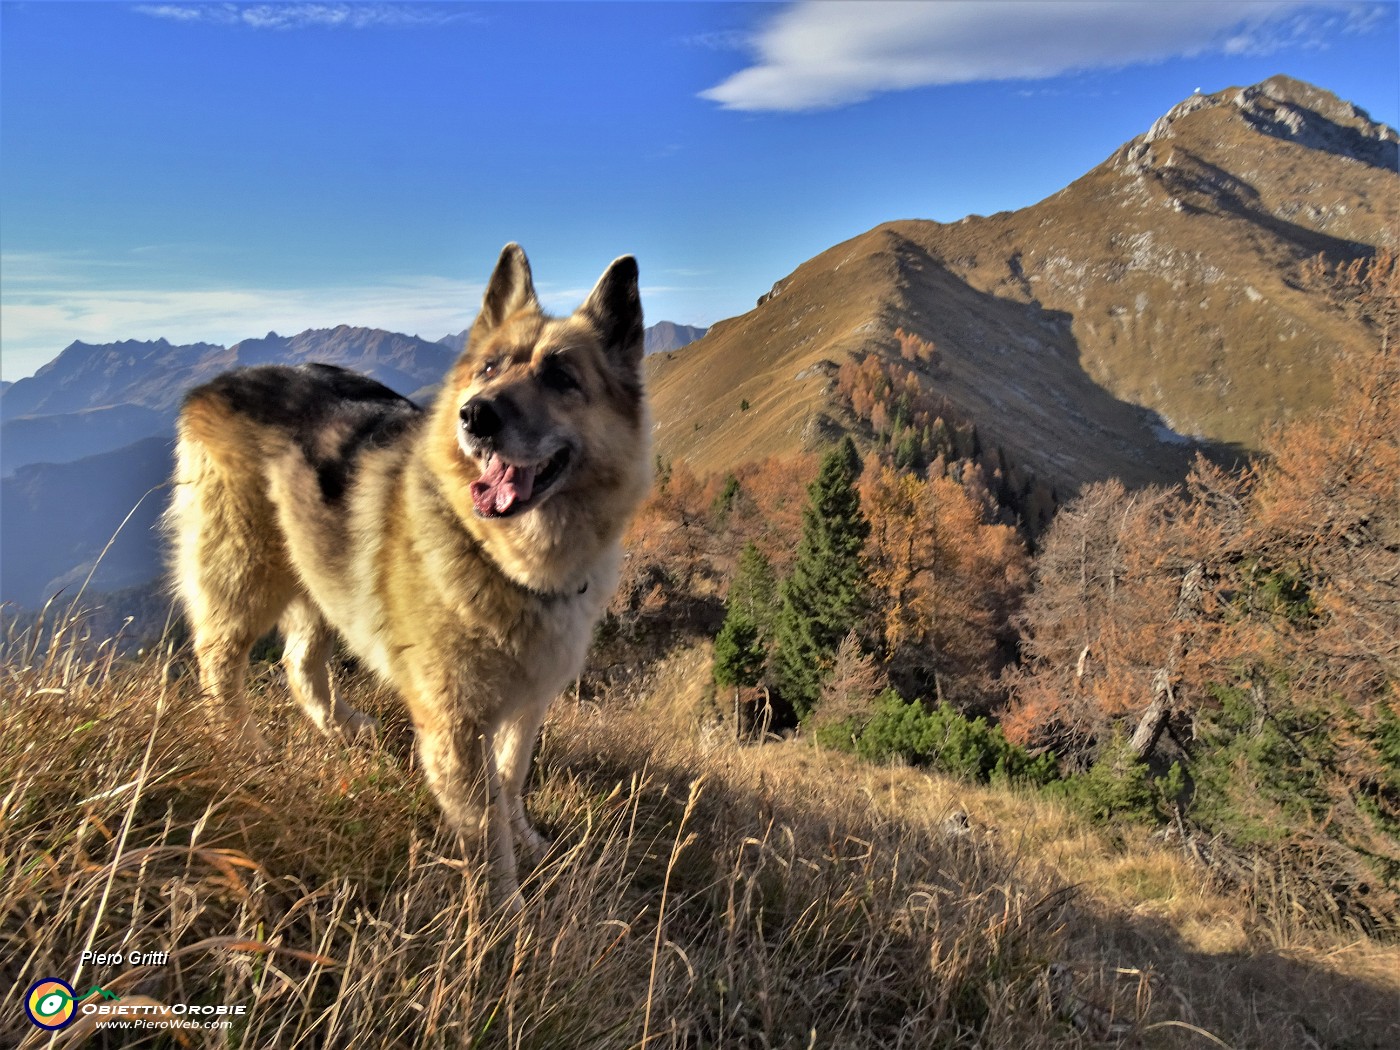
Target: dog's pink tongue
(501, 486)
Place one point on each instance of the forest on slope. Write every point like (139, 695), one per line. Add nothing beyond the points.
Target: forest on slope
(1220, 658)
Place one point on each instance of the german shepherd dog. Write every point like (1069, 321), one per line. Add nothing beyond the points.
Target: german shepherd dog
(464, 552)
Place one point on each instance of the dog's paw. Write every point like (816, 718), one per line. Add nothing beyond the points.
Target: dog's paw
(360, 728)
(349, 726)
(250, 737)
(509, 900)
(532, 843)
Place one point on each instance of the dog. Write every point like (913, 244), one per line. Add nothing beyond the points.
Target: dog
(464, 552)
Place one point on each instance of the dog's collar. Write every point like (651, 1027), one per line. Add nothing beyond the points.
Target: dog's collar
(549, 595)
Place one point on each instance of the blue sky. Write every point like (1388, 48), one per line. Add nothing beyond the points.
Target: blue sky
(212, 171)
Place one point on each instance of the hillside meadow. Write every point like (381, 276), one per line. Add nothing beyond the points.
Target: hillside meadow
(700, 892)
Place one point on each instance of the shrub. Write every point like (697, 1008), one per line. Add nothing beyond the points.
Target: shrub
(1121, 786)
(1262, 768)
(940, 738)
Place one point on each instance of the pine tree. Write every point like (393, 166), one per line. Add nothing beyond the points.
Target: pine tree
(755, 590)
(823, 596)
(739, 656)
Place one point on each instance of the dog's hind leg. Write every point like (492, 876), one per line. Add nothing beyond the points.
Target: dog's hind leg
(228, 614)
(515, 745)
(229, 570)
(308, 643)
(224, 634)
(223, 665)
(460, 764)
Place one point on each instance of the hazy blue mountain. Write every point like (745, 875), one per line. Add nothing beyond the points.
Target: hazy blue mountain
(151, 374)
(456, 343)
(667, 335)
(68, 436)
(59, 516)
(157, 374)
(404, 363)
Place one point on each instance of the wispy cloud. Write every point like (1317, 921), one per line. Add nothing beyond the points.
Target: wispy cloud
(286, 16)
(837, 52)
(1310, 29)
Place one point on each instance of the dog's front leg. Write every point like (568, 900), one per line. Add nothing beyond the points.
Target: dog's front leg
(515, 746)
(505, 877)
(460, 764)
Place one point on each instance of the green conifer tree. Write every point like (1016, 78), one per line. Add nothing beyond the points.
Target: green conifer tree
(755, 590)
(823, 596)
(739, 655)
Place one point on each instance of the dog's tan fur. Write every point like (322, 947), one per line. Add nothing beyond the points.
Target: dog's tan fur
(317, 501)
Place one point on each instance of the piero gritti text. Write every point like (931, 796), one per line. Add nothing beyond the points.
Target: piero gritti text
(132, 958)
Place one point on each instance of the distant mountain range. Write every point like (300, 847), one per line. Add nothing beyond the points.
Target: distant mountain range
(57, 518)
(1164, 302)
(91, 431)
(664, 336)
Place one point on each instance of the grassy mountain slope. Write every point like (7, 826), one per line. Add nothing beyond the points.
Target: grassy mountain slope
(699, 893)
(1164, 296)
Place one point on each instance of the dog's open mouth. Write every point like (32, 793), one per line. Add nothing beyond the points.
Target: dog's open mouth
(511, 488)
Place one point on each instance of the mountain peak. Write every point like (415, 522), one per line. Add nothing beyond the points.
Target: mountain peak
(1292, 110)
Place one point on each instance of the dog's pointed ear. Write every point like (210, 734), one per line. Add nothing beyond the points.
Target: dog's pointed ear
(615, 309)
(510, 289)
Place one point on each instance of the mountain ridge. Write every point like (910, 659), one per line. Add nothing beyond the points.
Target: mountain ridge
(1161, 303)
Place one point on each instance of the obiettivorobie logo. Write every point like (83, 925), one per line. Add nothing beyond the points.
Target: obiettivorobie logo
(52, 1004)
(49, 1003)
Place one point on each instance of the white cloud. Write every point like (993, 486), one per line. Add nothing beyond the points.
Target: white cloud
(308, 15)
(819, 55)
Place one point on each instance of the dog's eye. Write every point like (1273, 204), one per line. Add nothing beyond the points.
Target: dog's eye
(490, 367)
(557, 378)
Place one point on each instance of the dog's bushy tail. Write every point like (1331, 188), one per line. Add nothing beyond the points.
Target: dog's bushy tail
(223, 543)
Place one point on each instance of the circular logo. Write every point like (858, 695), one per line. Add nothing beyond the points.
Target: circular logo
(50, 1003)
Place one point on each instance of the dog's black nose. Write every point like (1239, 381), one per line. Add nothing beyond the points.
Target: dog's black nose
(480, 418)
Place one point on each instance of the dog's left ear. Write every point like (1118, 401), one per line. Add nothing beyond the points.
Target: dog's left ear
(615, 309)
(510, 290)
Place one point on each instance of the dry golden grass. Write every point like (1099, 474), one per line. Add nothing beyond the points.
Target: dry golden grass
(699, 895)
